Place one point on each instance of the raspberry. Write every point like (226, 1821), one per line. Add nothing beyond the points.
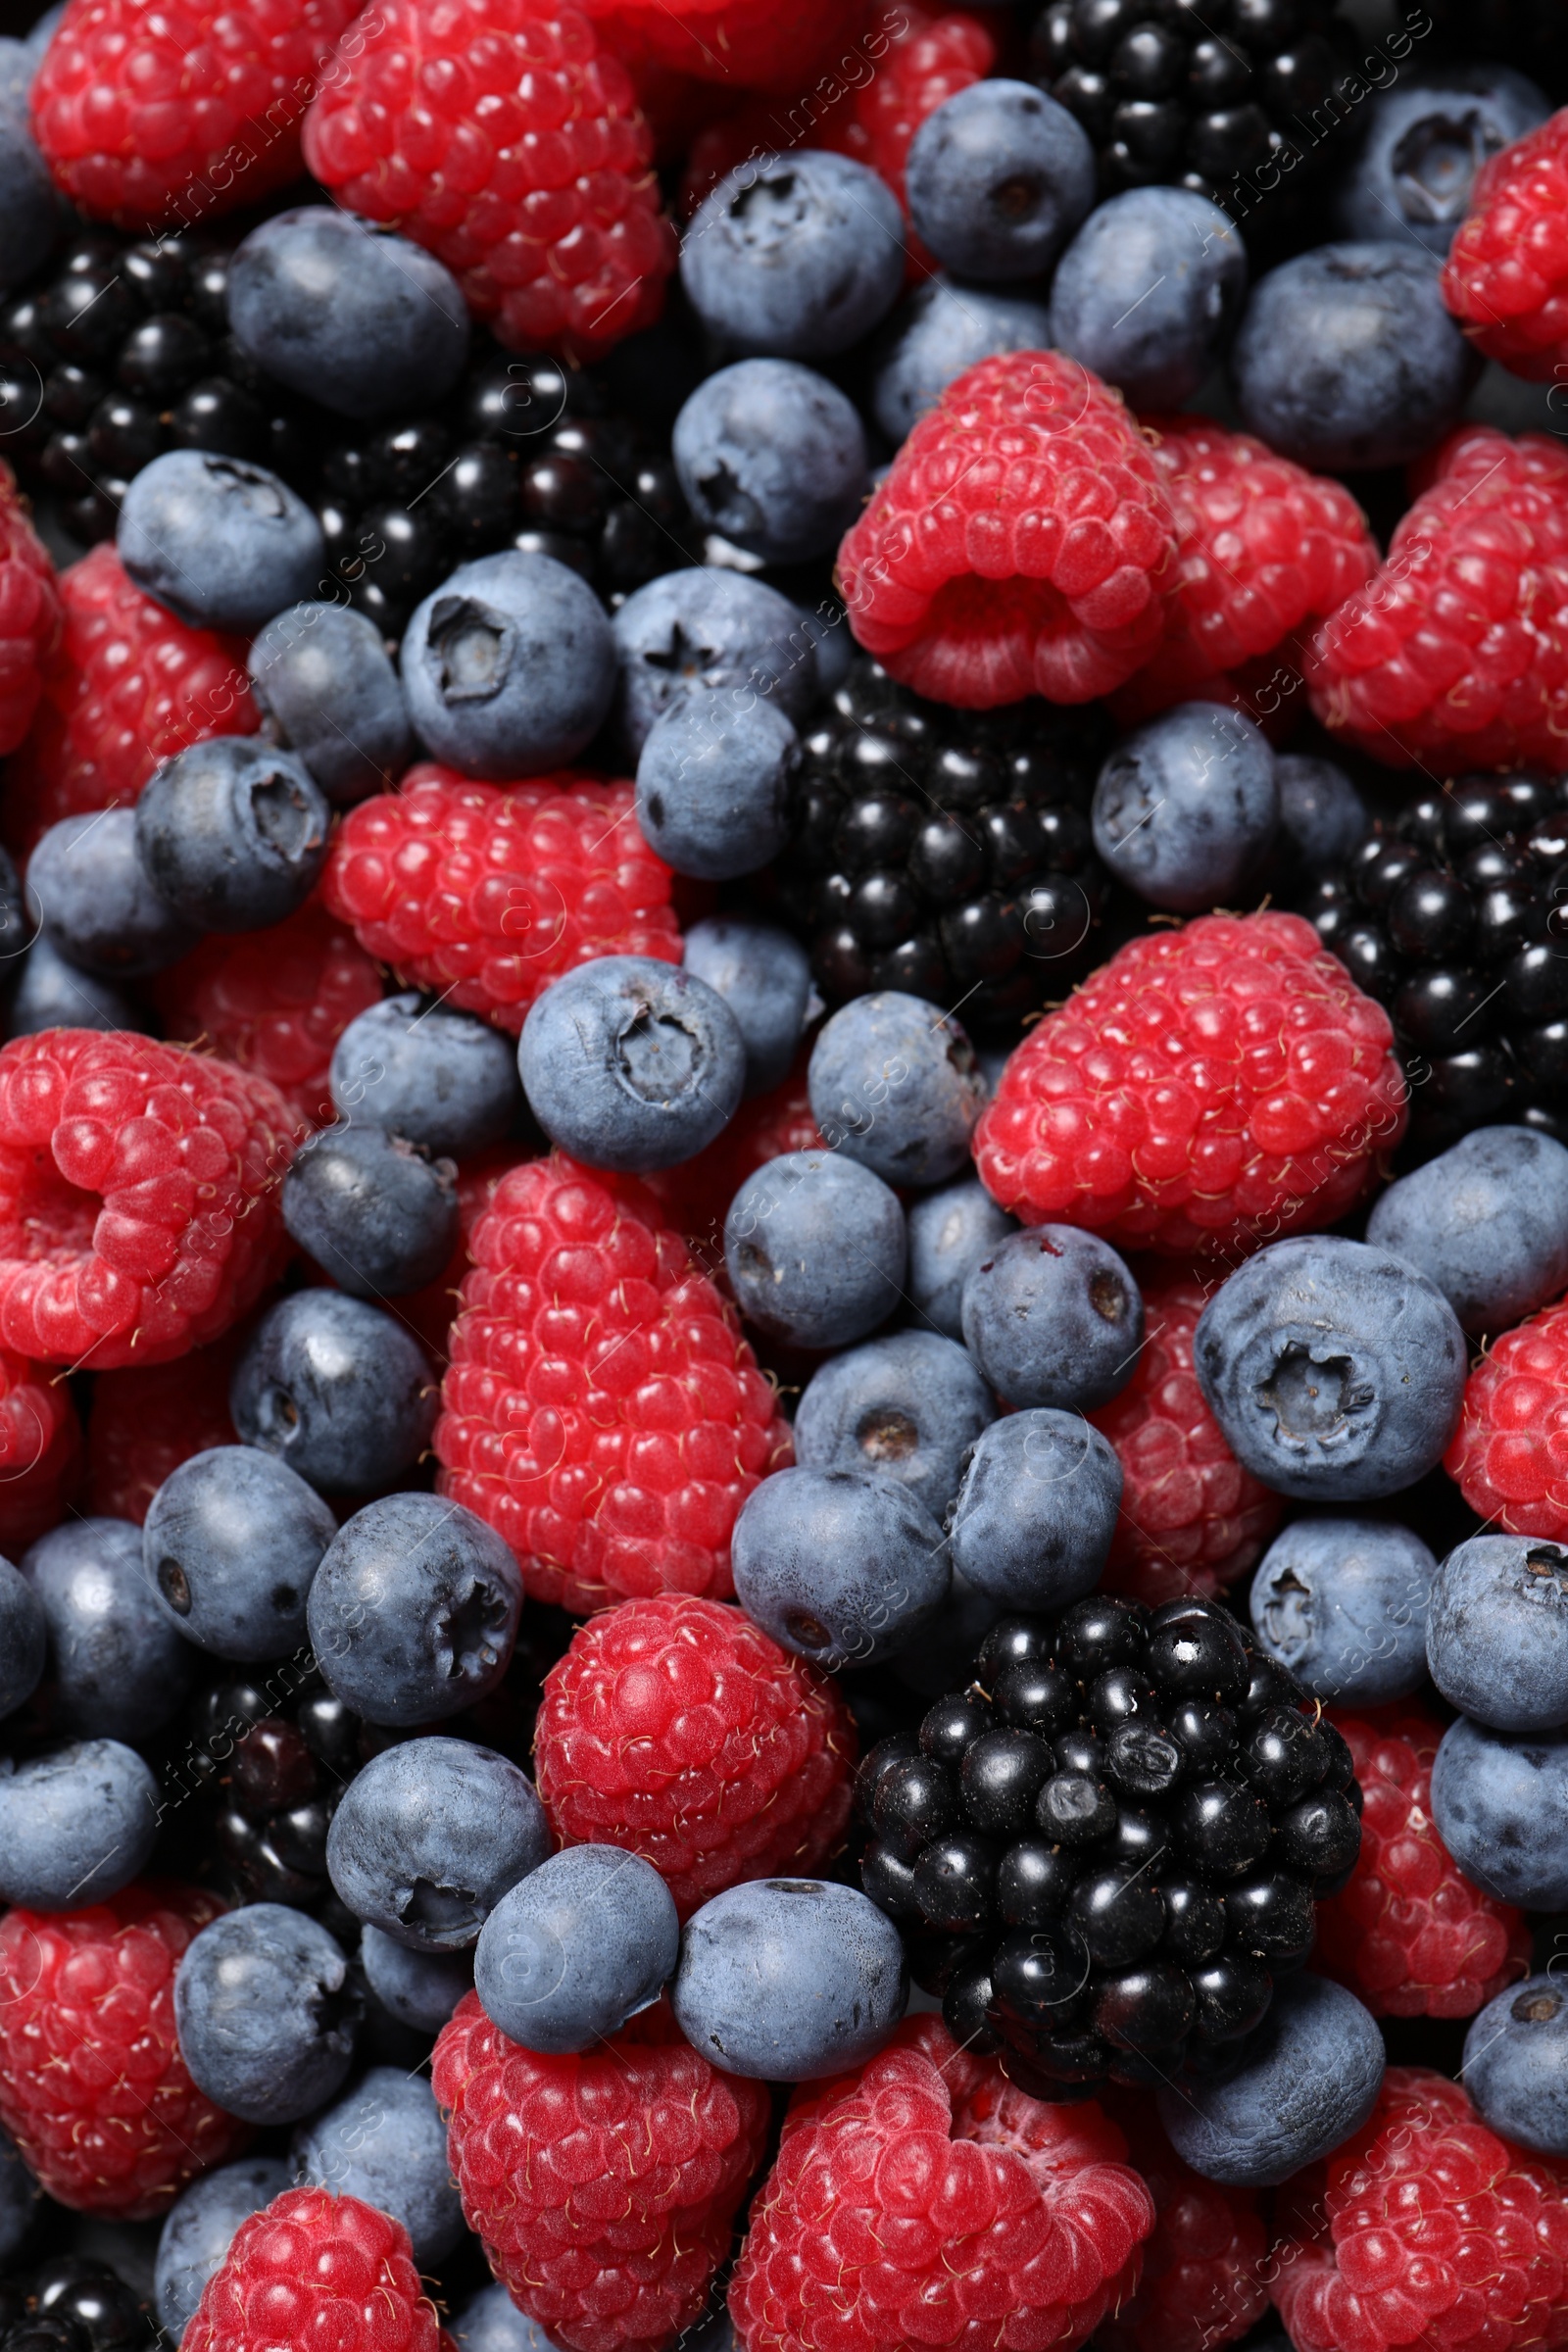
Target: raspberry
(1509, 1455)
(147, 1419)
(502, 135)
(1210, 1088)
(487, 893)
(1455, 653)
(1202, 2279)
(92, 2086)
(772, 46)
(1506, 276)
(147, 114)
(603, 2185)
(128, 685)
(138, 1196)
(429, 1313)
(600, 1409)
(677, 1729)
(1409, 1934)
(311, 2270)
(1021, 542)
(40, 1453)
(1192, 1518)
(926, 2201)
(29, 613)
(698, 1192)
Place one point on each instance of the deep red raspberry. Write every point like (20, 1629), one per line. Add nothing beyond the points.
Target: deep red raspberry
(147, 1419)
(603, 2185)
(486, 893)
(601, 1408)
(772, 46)
(1210, 1088)
(697, 1195)
(1506, 277)
(138, 1196)
(1509, 1454)
(677, 1729)
(504, 136)
(1021, 543)
(1205, 2259)
(925, 2200)
(92, 2086)
(429, 1313)
(310, 2271)
(1455, 653)
(1192, 1518)
(40, 1453)
(30, 617)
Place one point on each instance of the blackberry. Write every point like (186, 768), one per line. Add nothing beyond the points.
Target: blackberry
(1105, 1851)
(73, 2303)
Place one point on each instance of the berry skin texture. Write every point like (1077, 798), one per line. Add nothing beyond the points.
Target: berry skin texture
(485, 894)
(600, 1409)
(926, 2201)
(1203, 2261)
(1206, 1090)
(1409, 1934)
(1022, 542)
(312, 2269)
(92, 2086)
(677, 1729)
(603, 2185)
(29, 613)
(1506, 276)
(1509, 1457)
(40, 1453)
(147, 1419)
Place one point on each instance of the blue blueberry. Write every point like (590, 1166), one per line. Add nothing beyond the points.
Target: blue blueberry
(1488, 1222)
(895, 1085)
(1054, 1317)
(414, 1611)
(998, 179)
(1342, 1603)
(1500, 1804)
(772, 457)
(814, 1248)
(631, 1063)
(76, 1825)
(385, 2142)
(266, 2013)
(339, 1389)
(764, 977)
(322, 680)
(222, 543)
(233, 834)
(1308, 2078)
(118, 1667)
(1497, 1633)
(418, 1989)
(95, 902)
(377, 1214)
(1147, 292)
(42, 31)
(437, 1078)
(1516, 2064)
(794, 255)
(1186, 807)
(348, 315)
(509, 667)
(940, 331)
(578, 1947)
(716, 784)
(1425, 140)
(490, 2321)
(24, 1639)
(1334, 1371)
(703, 628)
(1037, 1508)
(1322, 815)
(841, 1568)
(29, 209)
(18, 66)
(950, 1232)
(790, 1980)
(232, 1541)
(52, 994)
(907, 1408)
(200, 2228)
(429, 1836)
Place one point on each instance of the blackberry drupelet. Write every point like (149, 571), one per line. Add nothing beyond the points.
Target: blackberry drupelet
(73, 2303)
(275, 1765)
(1105, 1851)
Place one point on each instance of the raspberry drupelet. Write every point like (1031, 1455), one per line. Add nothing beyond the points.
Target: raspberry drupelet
(40, 1453)
(29, 613)
(310, 2270)
(1506, 276)
(1509, 1457)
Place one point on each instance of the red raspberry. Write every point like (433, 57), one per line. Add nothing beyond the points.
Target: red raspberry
(697, 1195)
(486, 893)
(138, 1196)
(311, 2271)
(925, 2200)
(1509, 1455)
(40, 1453)
(603, 2185)
(29, 613)
(147, 114)
(1506, 277)
(600, 1409)
(1203, 2261)
(128, 685)
(429, 1313)
(772, 46)
(1409, 1934)
(1192, 1518)
(1210, 1088)
(677, 1729)
(1021, 543)
(147, 1419)
(92, 2086)
(1455, 653)
(506, 138)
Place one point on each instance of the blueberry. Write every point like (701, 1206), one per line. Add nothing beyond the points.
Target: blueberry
(222, 542)
(1322, 815)
(771, 456)
(716, 784)
(323, 682)
(1147, 292)
(702, 627)
(119, 1668)
(1342, 1604)
(490, 2321)
(1334, 1371)
(385, 2142)
(1497, 1633)
(415, 1609)
(790, 1980)
(1186, 807)
(841, 1568)
(939, 332)
(630, 1063)
(420, 1988)
(509, 667)
(20, 2200)
(232, 1541)
(998, 179)
(377, 1214)
(906, 1408)
(1308, 2078)
(1488, 1222)
(199, 2229)
(436, 1078)
(1037, 1508)
(895, 1085)
(339, 1389)
(266, 2013)
(815, 1249)
(29, 210)
(1500, 1804)
(794, 255)
(1054, 1317)
(52, 994)
(578, 1947)
(233, 834)
(76, 1825)
(1424, 143)
(1516, 2064)
(95, 902)
(348, 315)
(764, 977)
(429, 1836)
(950, 1232)
(24, 1639)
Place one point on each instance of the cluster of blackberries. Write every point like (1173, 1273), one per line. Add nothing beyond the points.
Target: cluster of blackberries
(72, 2304)
(276, 1768)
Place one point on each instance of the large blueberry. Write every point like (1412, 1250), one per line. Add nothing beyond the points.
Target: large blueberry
(703, 628)
(418, 1989)
(1424, 141)
(907, 1408)
(578, 1947)
(346, 314)
(222, 543)
(339, 1389)
(895, 1085)
(429, 1836)
(1147, 292)
(794, 255)
(1053, 1317)
(1186, 807)
(630, 1063)
(1322, 815)
(95, 902)
(1500, 1804)
(434, 1077)
(998, 179)
(509, 665)
(118, 1667)
(815, 1249)
(1516, 2064)
(1036, 1511)
(377, 1214)
(324, 683)
(385, 2142)
(790, 1980)
(772, 457)
(490, 2321)
(940, 331)
(716, 784)
(266, 2013)
(1488, 1222)
(841, 1568)
(233, 834)
(76, 1825)
(1342, 1604)
(764, 977)
(414, 1611)
(1308, 2078)
(232, 1541)
(1498, 1632)
(950, 1232)
(24, 1639)
(200, 2228)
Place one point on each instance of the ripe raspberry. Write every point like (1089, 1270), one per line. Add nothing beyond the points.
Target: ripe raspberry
(926, 2201)
(313, 2270)
(1506, 277)
(774, 45)
(1203, 2261)
(696, 1195)
(92, 2086)
(505, 137)
(147, 1419)
(429, 1314)
(603, 2185)
(1210, 1088)
(487, 893)
(1192, 1518)
(138, 1196)
(1455, 653)
(600, 1409)
(40, 1453)
(1409, 1934)
(128, 685)
(1509, 1455)
(29, 613)
(1021, 543)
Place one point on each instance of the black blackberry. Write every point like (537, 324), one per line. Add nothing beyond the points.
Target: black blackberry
(1107, 1849)
(73, 2303)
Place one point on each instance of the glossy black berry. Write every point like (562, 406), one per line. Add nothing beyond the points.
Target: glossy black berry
(1034, 1880)
(948, 1729)
(915, 1801)
(1001, 1776)
(955, 1881)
